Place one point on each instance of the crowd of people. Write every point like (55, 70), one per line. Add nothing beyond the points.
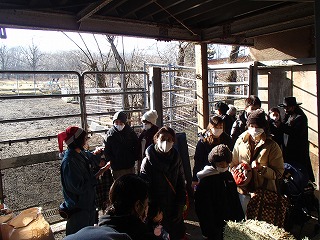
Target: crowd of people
(148, 195)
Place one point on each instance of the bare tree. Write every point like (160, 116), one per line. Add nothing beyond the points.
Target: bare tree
(32, 56)
(92, 62)
(4, 58)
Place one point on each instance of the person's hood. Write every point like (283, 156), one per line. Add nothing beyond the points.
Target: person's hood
(207, 171)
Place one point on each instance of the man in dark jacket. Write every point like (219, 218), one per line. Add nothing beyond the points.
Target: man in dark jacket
(121, 146)
(221, 110)
(239, 126)
(296, 143)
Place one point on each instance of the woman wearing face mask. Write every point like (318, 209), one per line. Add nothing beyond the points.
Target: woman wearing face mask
(256, 148)
(214, 136)
(121, 146)
(162, 169)
(274, 119)
(149, 130)
(216, 198)
(129, 208)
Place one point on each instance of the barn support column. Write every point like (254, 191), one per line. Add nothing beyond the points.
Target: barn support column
(82, 102)
(317, 43)
(202, 85)
(156, 93)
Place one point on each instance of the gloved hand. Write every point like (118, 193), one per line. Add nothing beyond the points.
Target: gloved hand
(178, 216)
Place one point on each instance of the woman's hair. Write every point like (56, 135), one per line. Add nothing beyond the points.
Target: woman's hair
(213, 122)
(79, 141)
(163, 130)
(125, 192)
(252, 101)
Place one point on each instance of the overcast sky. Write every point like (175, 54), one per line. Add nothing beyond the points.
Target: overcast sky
(52, 41)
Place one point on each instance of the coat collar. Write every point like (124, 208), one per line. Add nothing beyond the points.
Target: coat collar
(246, 137)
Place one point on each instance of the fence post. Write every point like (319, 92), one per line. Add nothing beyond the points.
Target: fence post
(253, 79)
(156, 93)
(83, 107)
(317, 40)
(202, 85)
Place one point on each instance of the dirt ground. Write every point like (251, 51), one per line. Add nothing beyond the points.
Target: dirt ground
(39, 184)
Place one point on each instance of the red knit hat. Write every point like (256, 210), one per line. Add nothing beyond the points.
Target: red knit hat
(71, 134)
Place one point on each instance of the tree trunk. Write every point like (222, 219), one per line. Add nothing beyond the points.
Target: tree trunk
(232, 77)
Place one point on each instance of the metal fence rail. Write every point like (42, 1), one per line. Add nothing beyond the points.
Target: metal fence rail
(33, 114)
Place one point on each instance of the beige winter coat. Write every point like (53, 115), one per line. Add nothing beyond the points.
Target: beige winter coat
(270, 157)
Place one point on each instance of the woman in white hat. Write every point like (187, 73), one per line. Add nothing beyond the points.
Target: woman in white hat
(150, 128)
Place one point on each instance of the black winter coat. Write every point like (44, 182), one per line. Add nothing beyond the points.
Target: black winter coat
(155, 166)
(276, 133)
(121, 148)
(238, 127)
(296, 148)
(216, 201)
(148, 136)
(228, 122)
(202, 151)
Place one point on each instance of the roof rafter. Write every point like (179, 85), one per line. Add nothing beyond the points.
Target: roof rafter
(92, 9)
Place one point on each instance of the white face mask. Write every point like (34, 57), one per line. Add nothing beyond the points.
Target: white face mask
(221, 170)
(146, 126)
(216, 131)
(164, 146)
(274, 117)
(255, 132)
(119, 127)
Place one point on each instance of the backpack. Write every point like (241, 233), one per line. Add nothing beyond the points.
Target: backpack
(294, 180)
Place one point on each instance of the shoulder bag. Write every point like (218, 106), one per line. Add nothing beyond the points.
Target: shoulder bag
(187, 205)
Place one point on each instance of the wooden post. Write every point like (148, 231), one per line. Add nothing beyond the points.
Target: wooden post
(202, 85)
(317, 42)
(156, 93)
(83, 107)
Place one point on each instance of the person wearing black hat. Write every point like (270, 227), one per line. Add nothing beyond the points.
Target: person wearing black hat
(216, 197)
(121, 146)
(296, 143)
(221, 110)
(256, 148)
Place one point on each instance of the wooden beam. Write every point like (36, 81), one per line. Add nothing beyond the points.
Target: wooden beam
(202, 85)
(117, 26)
(28, 160)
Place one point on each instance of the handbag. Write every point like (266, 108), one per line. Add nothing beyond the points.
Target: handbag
(187, 205)
(268, 206)
(242, 173)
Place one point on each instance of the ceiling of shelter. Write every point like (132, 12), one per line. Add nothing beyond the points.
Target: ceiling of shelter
(219, 21)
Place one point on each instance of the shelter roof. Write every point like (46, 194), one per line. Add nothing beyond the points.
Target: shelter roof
(219, 21)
